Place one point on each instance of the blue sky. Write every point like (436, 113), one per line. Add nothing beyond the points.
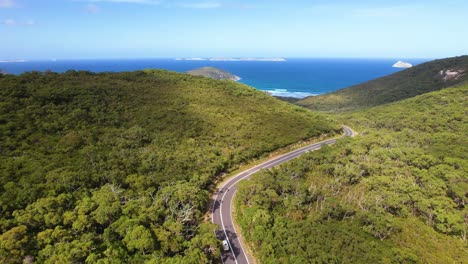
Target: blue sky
(73, 29)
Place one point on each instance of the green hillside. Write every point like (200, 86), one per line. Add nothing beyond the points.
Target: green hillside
(396, 193)
(116, 167)
(423, 78)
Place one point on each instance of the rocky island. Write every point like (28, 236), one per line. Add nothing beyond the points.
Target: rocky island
(247, 59)
(190, 59)
(214, 73)
(402, 64)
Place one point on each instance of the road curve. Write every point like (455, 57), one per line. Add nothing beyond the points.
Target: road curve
(222, 204)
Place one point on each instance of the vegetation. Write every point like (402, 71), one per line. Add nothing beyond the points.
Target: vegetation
(288, 99)
(214, 73)
(427, 77)
(116, 167)
(397, 193)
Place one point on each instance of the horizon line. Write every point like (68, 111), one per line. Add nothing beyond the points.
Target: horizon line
(208, 58)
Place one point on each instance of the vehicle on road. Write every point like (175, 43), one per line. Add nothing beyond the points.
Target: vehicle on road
(225, 245)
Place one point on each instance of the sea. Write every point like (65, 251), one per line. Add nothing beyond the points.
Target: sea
(294, 77)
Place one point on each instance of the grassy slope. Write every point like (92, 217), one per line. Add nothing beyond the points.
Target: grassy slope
(397, 193)
(405, 84)
(116, 166)
(291, 100)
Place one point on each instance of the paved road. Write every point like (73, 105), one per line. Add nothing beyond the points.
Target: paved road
(221, 211)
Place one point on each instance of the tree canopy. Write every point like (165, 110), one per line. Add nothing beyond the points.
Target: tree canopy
(117, 167)
(396, 193)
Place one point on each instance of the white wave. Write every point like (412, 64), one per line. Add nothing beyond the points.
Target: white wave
(286, 93)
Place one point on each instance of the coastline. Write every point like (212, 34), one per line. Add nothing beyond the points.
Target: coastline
(295, 77)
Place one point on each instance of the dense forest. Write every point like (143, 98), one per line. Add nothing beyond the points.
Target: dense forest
(117, 167)
(396, 193)
(423, 78)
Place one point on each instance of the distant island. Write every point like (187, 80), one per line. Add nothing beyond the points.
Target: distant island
(214, 73)
(247, 59)
(230, 59)
(190, 59)
(402, 64)
(7, 61)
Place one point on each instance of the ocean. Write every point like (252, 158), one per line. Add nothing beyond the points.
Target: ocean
(292, 78)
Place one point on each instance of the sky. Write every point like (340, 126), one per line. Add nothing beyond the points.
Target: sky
(92, 29)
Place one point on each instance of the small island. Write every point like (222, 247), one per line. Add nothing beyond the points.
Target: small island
(214, 73)
(231, 59)
(10, 61)
(248, 59)
(402, 64)
(190, 59)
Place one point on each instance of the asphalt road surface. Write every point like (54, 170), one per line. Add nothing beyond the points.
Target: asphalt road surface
(221, 211)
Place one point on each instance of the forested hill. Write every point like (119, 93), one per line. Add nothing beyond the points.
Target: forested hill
(116, 166)
(396, 193)
(423, 78)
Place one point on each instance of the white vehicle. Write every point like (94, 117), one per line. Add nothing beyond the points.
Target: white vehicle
(225, 245)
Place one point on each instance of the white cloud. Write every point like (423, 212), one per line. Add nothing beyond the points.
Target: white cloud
(381, 12)
(201, 5)
(6, 3)
(12, 22)
(197, 4)
(92, 8)
(147, 2)
(9, 22)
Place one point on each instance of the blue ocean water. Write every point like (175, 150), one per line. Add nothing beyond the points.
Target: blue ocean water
(293, 77)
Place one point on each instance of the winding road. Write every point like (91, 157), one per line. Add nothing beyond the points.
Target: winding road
(221, 212)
